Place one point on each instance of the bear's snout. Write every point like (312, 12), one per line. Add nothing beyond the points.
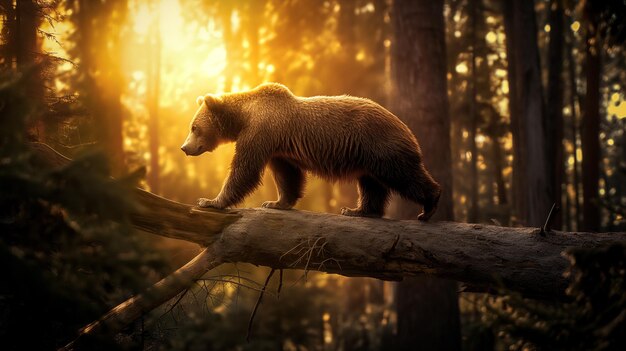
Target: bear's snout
(189, 151)
(185, 148)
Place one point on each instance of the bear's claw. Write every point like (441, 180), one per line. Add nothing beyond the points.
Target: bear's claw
(356, 212)
(425, 216)
(208, 203)
(276, 205)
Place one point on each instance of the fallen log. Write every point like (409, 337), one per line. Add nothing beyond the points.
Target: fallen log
(518, 259)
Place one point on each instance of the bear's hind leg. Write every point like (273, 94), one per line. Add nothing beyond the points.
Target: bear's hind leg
(430, 190)
(419, 187)
(289, 181)
(373, 197)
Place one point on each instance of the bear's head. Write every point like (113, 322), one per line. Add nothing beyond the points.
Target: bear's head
(206, 132)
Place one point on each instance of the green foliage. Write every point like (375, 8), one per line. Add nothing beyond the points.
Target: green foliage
(593, 319)
(65, 242)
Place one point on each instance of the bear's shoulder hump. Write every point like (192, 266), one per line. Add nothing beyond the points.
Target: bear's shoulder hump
(274, 89)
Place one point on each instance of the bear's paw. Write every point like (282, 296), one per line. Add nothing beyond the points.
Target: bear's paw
(209, 203)
(277, 205)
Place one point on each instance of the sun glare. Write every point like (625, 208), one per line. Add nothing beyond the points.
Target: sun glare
(215, 62)
(142, 20)
(167, 15)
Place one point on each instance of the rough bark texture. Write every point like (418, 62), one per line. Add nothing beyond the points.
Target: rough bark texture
(554, 120)
(473, 103)
(574, 101)
(480, 255)
(420, 99)
(590, 128)
(531, 188)
(418, 68)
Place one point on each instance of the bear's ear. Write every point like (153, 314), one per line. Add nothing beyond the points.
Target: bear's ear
(199, 100)
(212, 100)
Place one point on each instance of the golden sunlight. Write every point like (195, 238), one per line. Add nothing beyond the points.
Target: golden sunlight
(617, 106)
(171, 29)
(462, 68)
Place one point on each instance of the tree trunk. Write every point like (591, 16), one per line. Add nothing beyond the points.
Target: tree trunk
(255, 12)
(530, 180)
(497, 155)
(554, 120)
(154, 82)
(27, 20)
(101, 56)
(590, 129)
(225, 10)
(419, 98)
(8, 33)
(473, 128)
(28, 59)
(573, 99)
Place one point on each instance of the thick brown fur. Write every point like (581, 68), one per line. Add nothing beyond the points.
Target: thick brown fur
(334, 137)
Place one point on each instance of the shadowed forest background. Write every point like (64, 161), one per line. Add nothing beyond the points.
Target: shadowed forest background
(524, 106)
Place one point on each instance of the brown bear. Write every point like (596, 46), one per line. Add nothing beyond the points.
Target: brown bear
(334, 137)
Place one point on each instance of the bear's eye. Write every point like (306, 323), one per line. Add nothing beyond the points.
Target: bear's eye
(193, 129)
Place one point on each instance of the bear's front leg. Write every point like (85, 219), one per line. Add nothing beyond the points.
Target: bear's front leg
(245, 176)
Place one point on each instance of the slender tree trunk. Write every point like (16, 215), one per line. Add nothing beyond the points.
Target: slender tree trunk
(102, 55)
(154, 82)
(591, 130)
(225, 11)
(27, 22)
(518, 199)
(346, 24)
(473, 210)
(428, 313)
(9, 32)
(28, 59)
(573, 98)
(554, 120)
(255, 13)
(346, 34)
(531, 186)
(497, 154)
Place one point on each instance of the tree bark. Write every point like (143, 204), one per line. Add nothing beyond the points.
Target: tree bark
(531, 188)
(574, 101)
(419, 98)
(225, 9)
(99, 34)
(481, 256)
(554, 120)
(253, 25)
(29, 61)
(590, 129)
(473, 103)
(8, 34)
(154, 87)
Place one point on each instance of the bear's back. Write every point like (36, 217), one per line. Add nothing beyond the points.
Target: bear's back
(333, 136)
